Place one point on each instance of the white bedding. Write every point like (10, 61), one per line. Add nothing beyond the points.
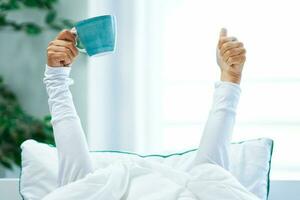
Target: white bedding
(203, 178)
(145, 180)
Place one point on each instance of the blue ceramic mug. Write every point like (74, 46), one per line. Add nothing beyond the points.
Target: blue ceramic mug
(97, 35)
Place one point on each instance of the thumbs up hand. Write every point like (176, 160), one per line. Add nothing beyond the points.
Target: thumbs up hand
(231, 56)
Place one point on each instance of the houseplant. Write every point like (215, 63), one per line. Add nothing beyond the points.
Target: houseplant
(16, 125)
(47, 6)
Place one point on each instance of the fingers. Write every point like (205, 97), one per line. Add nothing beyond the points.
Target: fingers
(61, 49)
(59, 58)
(237, 60)
(224, 40)
(233, 52)
(223, 32)
(67, 36)
(66, 44)
(230, 45)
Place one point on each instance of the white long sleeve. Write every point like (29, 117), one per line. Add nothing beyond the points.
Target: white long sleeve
(217, 133)
(74, 159)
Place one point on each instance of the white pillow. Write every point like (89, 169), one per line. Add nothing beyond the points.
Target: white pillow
(250, 164)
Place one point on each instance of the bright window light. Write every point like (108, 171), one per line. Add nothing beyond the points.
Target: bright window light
(269, 105)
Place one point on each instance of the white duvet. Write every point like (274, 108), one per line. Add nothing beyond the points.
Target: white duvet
(147, 180)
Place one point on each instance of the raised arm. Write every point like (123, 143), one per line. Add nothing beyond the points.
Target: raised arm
(73, 155)
(215, 142)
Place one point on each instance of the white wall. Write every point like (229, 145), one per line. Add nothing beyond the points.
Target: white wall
(281, 190)
(22, 62)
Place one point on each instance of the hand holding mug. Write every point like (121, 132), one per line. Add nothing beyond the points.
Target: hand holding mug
(62, 50)
(94, 36)
(231, 56)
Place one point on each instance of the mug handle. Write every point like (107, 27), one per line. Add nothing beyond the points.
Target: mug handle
(78, 44)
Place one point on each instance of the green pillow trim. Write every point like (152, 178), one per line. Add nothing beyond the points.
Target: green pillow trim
(144, 156)
(270, 165)
(20, 184)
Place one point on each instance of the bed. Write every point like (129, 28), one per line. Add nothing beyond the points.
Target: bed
(280, 189)
(39, 167)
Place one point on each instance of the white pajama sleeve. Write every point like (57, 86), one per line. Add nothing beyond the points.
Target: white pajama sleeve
(215, 142)
(73, 155)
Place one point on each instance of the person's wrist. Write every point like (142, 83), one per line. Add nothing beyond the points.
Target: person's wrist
(55, 64)
(50, 63)
(231, 77)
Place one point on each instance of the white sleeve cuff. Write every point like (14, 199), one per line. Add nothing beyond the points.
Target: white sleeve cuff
(60, 74)
(227, 84)
(58, 70)
(226, 95)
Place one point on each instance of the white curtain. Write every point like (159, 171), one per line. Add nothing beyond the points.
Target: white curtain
(122, 105)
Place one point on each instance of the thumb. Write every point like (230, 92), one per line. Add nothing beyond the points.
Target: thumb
(223, 32)
(66, 35)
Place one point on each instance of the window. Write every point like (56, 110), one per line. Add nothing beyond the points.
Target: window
(269, 105)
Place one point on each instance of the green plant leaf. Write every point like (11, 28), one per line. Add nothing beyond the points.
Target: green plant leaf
(15, 26)
(51, 1)
(47, 118)
(31, 3)
(50, 17)
(14, 4)
(2, 20)
(10, 5)
(32, 29)
(6, 163)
